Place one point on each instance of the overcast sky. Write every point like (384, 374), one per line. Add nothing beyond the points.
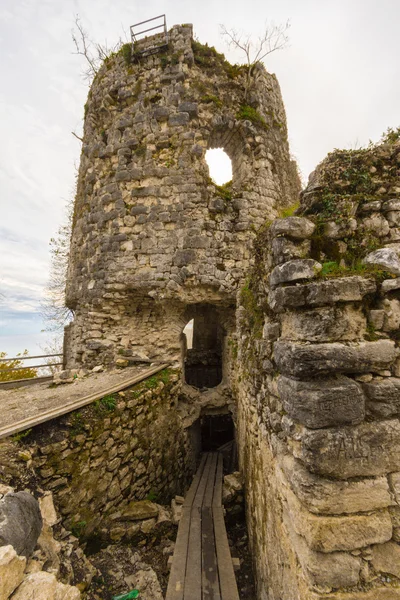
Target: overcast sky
(340, 81)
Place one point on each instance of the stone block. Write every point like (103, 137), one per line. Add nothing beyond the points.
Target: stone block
(385, 258)
(329, 497)
(311, 360)
(11, 571)
(383, 397)
(386, 558)
(344, 289)
(333, 570)
(137, 511)
(297, 228)
(294, 270)
(283, 249)
(44, 586)
(390, 284)
(391, 320)
(360, 451)
(338, 533)
(20, 522)
(178, 119)
(322, 402)
(324, 324)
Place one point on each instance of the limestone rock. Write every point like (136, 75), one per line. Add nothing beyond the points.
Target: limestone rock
(336, 569)
(329, 497)
(338, 533)
(146, 581)
(137, 511)
(390, 284)
(20, 522)
(297, 228)
(294, 270)
(44, 586)
(386, 558)
(360, 451)
(284, 249)
(11, 571)
(325, 324)
(345, 289)
(233, 483)
(47, 509)
(385, 258)
(300, 360)
(383, 397)
(322, 402)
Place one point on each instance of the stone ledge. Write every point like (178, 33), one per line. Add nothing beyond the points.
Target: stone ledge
(344, 289)
(310, 360)
(360, 451)
(322, 403)
(326, 496)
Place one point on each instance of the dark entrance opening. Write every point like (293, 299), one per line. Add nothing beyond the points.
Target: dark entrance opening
(216, 432)
(203, 356)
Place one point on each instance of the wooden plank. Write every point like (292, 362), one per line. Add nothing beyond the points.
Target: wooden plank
(195, 483)
(29, 358)
(193, 565)
(209, 571)
(217, 498)
(176, 582)
(226, 573)
(199, 496)
(79, 403)
(209, 491)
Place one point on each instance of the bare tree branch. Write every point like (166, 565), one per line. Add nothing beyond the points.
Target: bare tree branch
(94, 53)
(274, 38)
(77, 136)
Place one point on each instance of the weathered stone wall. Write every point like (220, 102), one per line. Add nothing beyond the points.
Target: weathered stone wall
(119, 450)
(319, 390)
(152, 234)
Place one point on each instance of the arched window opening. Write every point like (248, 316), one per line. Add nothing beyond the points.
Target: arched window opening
(219, 165)
(188, 331)
(203, 360)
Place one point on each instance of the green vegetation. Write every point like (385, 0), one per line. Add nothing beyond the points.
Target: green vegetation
(78, 528)
(151, 496)
(210, 98)
(289, 211)
(391, 135)
(106, 404)
(126, 52)
(332, 269)
(207, 57)
(152, 382)
(248, 113)
(17, 437)
(224, 191)
(20, 373)
(254, 312)
(77, 423)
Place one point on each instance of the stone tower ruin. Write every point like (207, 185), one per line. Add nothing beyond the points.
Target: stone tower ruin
(155, 242)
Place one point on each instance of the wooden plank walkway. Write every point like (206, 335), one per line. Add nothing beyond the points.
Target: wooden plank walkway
(202, 566)
(23, 408)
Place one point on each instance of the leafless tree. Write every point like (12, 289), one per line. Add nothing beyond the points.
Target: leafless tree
(93, 52)
(275, 37)
(53, 309)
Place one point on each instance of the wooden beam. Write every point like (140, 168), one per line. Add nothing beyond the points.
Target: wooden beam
(79, 403)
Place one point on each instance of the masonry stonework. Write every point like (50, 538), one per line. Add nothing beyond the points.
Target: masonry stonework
(152, 234)
(304, 310)
(317, 387)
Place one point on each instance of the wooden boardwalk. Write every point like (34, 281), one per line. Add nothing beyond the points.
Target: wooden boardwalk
(24, 408)
(202, 566)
